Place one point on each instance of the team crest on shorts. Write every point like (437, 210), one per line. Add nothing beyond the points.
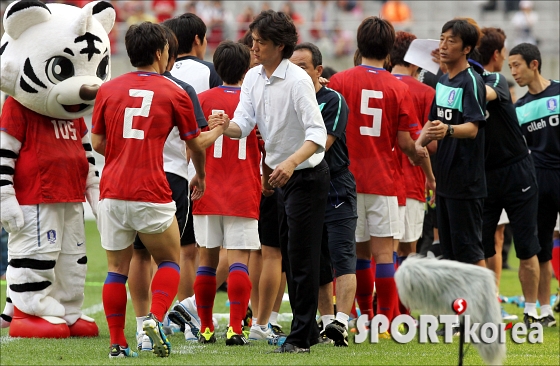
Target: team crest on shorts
(551, 104)
(51, 236)
(451, 97)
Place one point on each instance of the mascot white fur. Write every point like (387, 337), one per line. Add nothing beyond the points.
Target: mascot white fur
(431, 286)
(53, 59)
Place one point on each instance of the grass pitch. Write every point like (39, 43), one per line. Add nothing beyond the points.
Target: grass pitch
(16, 351)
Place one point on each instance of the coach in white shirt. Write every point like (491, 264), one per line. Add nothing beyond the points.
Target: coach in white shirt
(279, 97)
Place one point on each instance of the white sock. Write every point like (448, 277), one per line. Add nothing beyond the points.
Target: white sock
(327, 319)
(343, 318)
(546, 310)
(531, 309)
(273, 318)
(140, 324)
(254, 321)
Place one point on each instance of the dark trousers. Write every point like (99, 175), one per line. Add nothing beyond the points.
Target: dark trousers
(301, 227)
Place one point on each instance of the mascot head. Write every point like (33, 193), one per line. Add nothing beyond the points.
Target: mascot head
(54, 57)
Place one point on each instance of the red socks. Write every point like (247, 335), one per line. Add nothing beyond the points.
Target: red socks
(556, 259)
(114, 304)
(164, 288)
(205, 293)
(239, 292)
(386, 290)
(364, 287)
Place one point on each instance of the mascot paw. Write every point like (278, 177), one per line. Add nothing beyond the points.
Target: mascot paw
(5, 321)
(84, 327)
(30, 326)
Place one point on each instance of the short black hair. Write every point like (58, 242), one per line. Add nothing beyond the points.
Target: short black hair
(172, 39)
(529, 52)
(186, 27)
(316, 57)
(468, 33)
(247, 39)
(328, 72)
(402, 42)
(376, 38)
(231, 60)
(492, 39)
(277, 27)
(142, 41)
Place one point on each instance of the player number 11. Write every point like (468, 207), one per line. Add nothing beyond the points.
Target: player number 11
(377, 113)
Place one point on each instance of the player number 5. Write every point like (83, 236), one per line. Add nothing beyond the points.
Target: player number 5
(143, 111)
(375, 129)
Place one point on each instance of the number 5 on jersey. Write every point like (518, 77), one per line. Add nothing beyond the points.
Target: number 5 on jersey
(377, 113)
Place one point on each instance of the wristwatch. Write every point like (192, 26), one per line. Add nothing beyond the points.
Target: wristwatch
(450, 130)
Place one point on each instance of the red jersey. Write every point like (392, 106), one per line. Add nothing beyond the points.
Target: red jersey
(136, 112)
(379, 107)
(52, 166)
(233, 179)
(422, 96)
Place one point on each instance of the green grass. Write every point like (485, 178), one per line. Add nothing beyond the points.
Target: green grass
(94, 351)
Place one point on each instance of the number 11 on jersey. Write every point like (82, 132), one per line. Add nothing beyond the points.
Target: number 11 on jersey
(377, 113)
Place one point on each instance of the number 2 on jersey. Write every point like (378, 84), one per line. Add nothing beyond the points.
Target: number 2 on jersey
(143, 111)
(377, 113)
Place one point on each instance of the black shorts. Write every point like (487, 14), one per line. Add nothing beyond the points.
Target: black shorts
(460, 228)
(342, 199)
(549, 206)
(513, 188)
(269, 228)
(179, 192)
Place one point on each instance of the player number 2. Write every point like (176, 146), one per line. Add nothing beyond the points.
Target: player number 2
(143, 111)
(219, 144)
(375, 129)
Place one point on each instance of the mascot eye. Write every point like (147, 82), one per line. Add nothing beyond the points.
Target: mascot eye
(103, 68)
(59, 68)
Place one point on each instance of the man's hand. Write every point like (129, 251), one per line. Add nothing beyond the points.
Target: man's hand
(267, 189)
(436, 58)
(282, 174)
(197, 187)
(421, 153)
(437, 131)
(431, 186)
(219, 119)
(323, 81)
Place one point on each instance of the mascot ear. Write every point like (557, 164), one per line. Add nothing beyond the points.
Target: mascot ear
(24, 14)
(103, 11)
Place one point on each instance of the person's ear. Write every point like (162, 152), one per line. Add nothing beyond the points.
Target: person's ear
(319, 70)
(534, 65)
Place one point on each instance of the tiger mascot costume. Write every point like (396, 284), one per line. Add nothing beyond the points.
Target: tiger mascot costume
(53, 58)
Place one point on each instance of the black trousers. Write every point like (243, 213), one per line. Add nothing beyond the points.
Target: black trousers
(301, 226)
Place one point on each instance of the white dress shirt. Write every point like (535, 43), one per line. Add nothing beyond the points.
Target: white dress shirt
(285, 109)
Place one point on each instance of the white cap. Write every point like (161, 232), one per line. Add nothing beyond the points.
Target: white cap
(525, 4)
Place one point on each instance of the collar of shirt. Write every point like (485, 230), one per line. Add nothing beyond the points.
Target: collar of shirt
(280, 72)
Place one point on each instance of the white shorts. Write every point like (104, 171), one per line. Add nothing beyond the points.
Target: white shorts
(413, 220)
(402, 214)
(118, 221)
(557, 228)
(377, 216)
(229, 232)
(503, 218)
(50, 227)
